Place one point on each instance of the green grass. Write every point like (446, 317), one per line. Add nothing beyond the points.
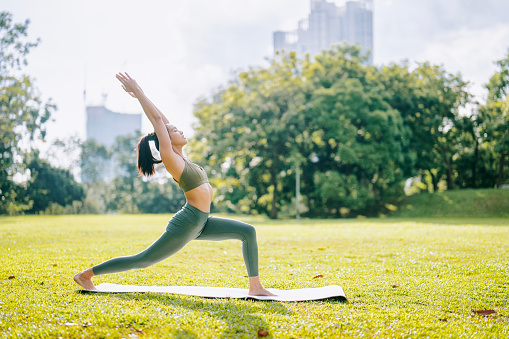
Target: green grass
(403, 279)
(456, 203)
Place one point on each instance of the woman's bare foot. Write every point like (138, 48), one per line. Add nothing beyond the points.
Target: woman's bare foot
(84, 279)
(256, 288)
(261, 292)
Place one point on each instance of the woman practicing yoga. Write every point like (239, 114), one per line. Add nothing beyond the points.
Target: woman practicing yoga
(193, 220)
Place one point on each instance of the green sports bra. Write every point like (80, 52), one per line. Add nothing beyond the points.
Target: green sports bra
(192, 176)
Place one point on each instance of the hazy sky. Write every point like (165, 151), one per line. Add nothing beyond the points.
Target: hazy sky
(179, 50)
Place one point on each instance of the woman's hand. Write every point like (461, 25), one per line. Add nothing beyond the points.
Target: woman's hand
(129, 84)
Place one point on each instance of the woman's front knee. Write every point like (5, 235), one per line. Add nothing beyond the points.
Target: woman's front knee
(250, 232)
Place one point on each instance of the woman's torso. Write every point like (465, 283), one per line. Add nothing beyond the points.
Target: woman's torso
(200, 197)
(194, 182)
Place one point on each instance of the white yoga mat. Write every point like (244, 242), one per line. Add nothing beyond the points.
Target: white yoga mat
(302, 294)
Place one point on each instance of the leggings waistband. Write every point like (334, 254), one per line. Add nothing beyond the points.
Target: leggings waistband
(194, 209)
(188, 216)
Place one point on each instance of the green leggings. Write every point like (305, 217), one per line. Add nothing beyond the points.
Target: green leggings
(188, 224)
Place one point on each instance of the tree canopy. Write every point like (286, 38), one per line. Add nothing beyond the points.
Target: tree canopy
(357, 131)
(22, 113)
(496, 111)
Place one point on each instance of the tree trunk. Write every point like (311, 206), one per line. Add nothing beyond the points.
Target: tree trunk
(501, 170)
(273, 210)
(474, 165)
(450, 180)
(433, 181)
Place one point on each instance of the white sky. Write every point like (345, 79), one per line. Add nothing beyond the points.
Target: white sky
(179, 50)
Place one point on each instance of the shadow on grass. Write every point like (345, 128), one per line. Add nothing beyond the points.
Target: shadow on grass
(242, 318)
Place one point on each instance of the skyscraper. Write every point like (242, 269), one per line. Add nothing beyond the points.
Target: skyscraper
(104, 126)
(329, 24)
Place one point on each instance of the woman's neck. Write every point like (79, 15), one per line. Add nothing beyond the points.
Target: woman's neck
(178, 150)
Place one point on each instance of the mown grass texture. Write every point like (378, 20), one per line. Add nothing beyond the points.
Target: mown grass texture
(403, 278)
(456, 203)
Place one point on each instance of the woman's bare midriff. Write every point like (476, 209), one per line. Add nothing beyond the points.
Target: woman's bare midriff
(200, 197)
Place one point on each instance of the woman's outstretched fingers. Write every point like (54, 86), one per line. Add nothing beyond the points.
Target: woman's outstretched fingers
(124, 76)
(128, 84)
(119, 77)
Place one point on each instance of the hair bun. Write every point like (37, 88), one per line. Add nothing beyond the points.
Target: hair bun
(152, 136)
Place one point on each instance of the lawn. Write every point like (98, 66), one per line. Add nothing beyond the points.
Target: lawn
(403, 278)
(469, 203)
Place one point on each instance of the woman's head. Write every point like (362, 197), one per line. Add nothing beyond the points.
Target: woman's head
(146, 160)
(177, 137)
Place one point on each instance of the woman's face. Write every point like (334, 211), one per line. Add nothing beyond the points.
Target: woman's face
(176, 136)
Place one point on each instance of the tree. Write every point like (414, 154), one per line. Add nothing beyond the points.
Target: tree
(428, 99)
(65, 153)
(155, 197)
(49, 185)
(328, 115)
(497, 111)
(124, 184)
(360, 142)
(247, 132)
(22, 112)
(474, 158)
(94, 161)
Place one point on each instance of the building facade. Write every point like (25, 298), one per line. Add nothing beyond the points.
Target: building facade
(104, 126)
(329, 24)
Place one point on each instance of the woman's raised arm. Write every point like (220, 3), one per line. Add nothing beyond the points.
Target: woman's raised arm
(120, 76)
(170, 159)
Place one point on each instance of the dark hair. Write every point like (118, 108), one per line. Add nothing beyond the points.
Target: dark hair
(146, 160)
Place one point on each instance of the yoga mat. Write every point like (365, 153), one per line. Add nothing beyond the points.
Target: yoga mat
(302, 294)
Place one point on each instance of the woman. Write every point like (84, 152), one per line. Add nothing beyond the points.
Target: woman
(193, 220)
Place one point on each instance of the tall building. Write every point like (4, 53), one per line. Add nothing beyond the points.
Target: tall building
(329, 24)
(104, 126)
